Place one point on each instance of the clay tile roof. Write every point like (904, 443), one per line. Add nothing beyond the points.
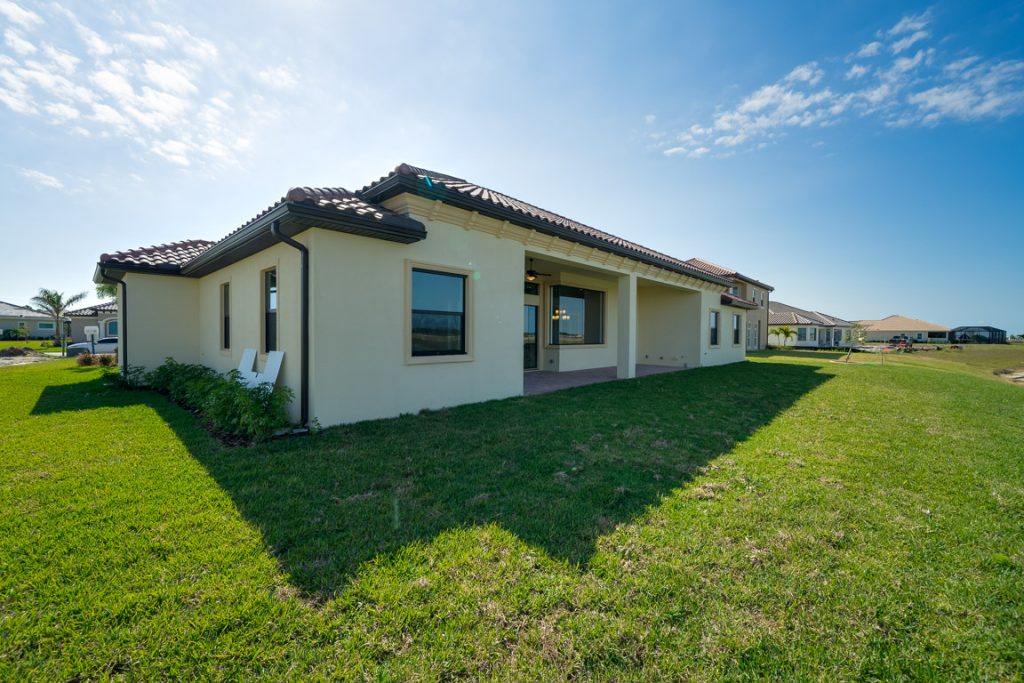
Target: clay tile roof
(784, 314)
(499, 199)
(722, 271)
(338, 198)
(169, 256)
(103, 308)
(732, 300)
(899, 323)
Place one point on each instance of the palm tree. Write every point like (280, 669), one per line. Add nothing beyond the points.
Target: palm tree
(106, 290)
(784, 331)
(53, 303)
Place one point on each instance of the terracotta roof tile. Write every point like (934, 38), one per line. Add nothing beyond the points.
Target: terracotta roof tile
(899, 323)
(784, 314)
(505, 201)
(106, 307)
(171, 256)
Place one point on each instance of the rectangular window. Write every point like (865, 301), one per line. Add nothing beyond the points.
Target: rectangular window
(847, 335)
(715, 315)
(577, 316)
(438, 313)
(735, 329)
(734, 290)
(814, 334)
(801, 334)
(46, 326)
(225, 316)
(754, 295)
(111, 328)
(270, 311)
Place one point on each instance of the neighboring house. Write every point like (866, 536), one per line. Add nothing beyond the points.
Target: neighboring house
(13, 317)
(901, 326)
(750, 290)
(421, 290)
(981, 334)
(102, 315)
(814, 329)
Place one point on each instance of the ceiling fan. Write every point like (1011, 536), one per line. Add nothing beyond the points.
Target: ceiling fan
(532, 274)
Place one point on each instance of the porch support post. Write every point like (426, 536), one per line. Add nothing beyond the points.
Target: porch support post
(627, 327)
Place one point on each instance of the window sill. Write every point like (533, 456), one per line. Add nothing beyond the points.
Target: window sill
(575, 346)
(431, 360)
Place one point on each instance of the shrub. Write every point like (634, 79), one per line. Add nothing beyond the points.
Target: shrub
(85, 358)
(228, 407)
(107, 360)
(45, 344)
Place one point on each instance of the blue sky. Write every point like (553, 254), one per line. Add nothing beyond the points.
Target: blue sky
(864, 158)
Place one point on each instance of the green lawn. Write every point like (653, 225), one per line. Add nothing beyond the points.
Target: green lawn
(36, 344)
(783, 518)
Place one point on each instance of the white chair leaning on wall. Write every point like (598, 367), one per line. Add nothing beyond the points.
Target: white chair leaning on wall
(271, 369)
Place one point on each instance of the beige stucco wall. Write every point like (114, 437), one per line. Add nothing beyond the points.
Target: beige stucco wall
(164, 321)
(725, 351)
(360, 314)
(668, 330)
(246, 310)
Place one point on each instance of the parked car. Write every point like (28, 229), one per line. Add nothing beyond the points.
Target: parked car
(104, 345)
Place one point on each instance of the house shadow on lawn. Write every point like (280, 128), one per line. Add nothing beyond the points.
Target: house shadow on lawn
(558, 470)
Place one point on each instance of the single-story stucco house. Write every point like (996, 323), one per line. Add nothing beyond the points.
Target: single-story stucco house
(751, 290)
(14, 317)
(102, 316)
(901, 326)
(814, 329)
(420, 290)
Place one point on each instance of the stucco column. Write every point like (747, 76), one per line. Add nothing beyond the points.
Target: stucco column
(627, 327)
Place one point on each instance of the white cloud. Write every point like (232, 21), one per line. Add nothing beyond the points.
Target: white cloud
(93, 42)
(41, 179)
(17, 43)
(200, 49)
(650, 119)
(905, 43)
(66, 61)
(280, 77)
(856, 71)
(17, 14)
(869, 50)
(909, 23)
(115, 85)
(169, 78)
(809, 73)
(898, 90)
(146, 40)
(62, 112)
(174, 151)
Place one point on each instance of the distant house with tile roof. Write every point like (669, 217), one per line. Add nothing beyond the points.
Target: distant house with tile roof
(422, 290)
(14, 317)
(814, 329)
(102, 316)
(750, 290)
(901, 326)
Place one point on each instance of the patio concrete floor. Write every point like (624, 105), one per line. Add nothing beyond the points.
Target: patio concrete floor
(543, 381)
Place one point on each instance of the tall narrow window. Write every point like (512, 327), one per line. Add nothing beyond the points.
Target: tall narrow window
(735, 329)
(438, 313)
(225, 316)
(270, 310)
(814, 334)
(801, 334)
(577, 315)
(715, 315)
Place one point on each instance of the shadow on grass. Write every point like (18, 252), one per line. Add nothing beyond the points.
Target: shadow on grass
(824, 354)
(557, 470)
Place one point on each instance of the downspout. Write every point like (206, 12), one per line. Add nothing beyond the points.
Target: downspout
(122, 332)
(275, 230)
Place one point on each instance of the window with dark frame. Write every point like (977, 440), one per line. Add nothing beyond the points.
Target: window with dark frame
(225, 313)
(577, 316)
(735, 329)
(715, 316)
(270, 311)
(438, 313)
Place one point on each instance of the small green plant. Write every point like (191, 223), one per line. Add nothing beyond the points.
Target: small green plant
(229, 407)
